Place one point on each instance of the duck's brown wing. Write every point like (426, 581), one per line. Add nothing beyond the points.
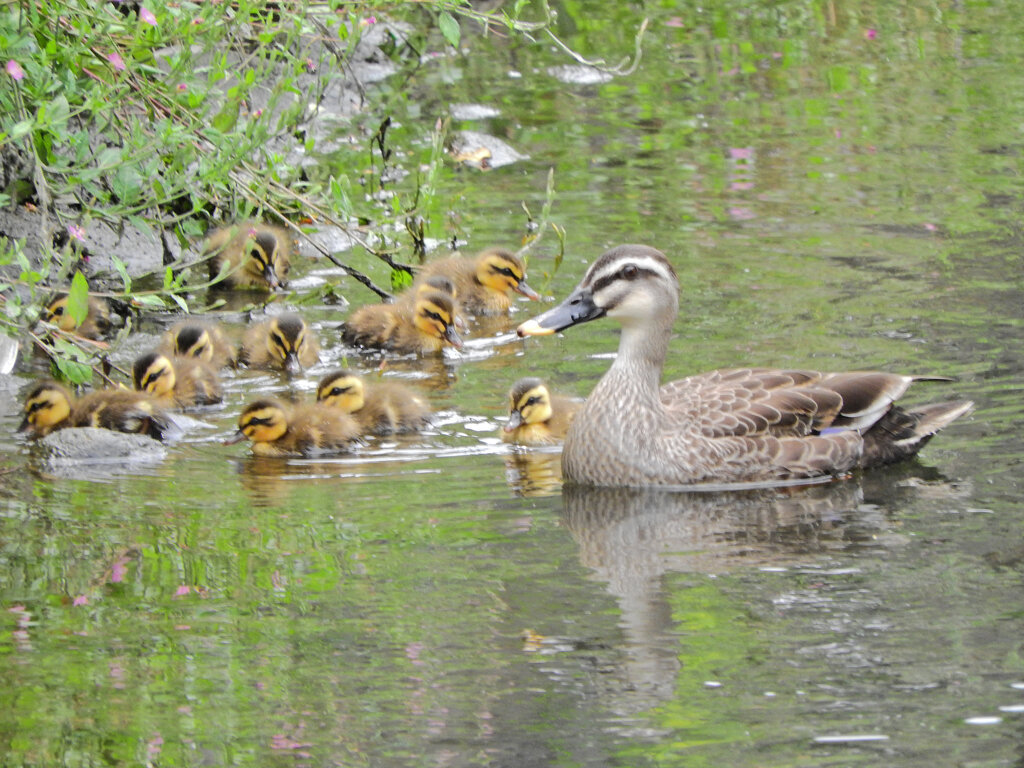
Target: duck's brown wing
(753, 401)
(807, 422)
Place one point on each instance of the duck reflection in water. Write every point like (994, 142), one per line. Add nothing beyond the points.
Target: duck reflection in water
(531, 472)
(632, 537)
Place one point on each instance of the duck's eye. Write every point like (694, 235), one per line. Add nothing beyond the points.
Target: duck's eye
(630, 271)
(533, 400)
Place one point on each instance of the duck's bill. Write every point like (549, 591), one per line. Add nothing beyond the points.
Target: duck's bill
(237, 437)
(578, 308)
(452, 336)
(25, 425)
(515, 420)
(270, 275)
(292, 366)
(527, 291)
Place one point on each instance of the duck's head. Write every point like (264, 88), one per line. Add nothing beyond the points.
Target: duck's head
(634, 284)
(262, 421)
(529, 403)
(343, 390)
(502, 271)
(440, 283)
(435, 317)
(193, 340)
(287, 335)
(154, 373)
(443, 284)
(266, 261)
(57, 313)
(46, 406)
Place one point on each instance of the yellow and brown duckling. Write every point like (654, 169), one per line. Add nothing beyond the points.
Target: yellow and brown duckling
(284, 342)
(50, 406)
(483, 283)
(95, 325)
(381, 408)
(253, 255)
(202, 340)
(423, 326)
(276, 429)
(535, 416)
(183, 381)
(431, 283)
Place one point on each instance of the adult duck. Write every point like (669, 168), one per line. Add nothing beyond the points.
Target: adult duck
(724, 426)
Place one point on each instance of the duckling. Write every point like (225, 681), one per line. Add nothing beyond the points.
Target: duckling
(95, 325)
(383, 408)
(202, 340)
(284, 342)
(439, 283)
(733, 425)
(483, 283)
(50, 406)
(536, 417)
(424, 326)
(276, 429)
(184, 381)
(256, 255)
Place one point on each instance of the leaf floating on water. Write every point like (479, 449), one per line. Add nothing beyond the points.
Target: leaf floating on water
(475, 149)
(476, 158)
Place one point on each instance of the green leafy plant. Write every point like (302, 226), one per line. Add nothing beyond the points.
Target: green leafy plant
(163, 116)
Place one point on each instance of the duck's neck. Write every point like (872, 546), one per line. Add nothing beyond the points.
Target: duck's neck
(642, 351)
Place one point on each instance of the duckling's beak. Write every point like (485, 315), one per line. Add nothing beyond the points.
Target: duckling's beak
(238, 437)
(270, 275)
(292, 366)
(527, 291)
(452, 336)
(25, 425)
(578, 308)
(515, 419)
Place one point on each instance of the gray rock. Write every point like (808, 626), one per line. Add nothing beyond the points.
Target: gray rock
(91, 445)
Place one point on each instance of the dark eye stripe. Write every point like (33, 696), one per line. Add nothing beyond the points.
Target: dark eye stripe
(604, 282)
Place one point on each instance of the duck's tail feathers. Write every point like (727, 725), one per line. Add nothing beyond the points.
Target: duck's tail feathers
(900, 433)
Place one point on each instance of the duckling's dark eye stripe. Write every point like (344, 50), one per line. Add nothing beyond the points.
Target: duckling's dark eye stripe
(435, 316)
(280, 341)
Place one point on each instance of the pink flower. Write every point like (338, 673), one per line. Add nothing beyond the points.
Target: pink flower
(76, 232)
(368, 21)
(183, 590)
(146, 16)
(182, 87)
(871, 34)
(118, 571)
(14, 70)
(80, 600)
(116, 61)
